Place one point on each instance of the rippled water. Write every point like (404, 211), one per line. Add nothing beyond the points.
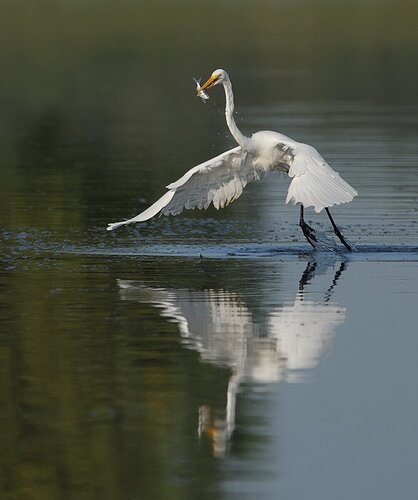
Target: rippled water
(214, 354)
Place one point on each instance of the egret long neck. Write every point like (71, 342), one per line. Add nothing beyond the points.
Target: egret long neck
(241, 139)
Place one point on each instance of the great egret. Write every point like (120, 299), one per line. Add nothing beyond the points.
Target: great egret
(222, 179)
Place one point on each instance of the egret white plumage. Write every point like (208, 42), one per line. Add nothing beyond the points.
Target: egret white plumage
(222, 179)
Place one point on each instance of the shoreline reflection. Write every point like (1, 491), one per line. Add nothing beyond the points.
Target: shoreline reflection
(282, 344)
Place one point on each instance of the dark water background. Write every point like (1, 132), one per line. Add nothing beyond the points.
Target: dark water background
(129, 367)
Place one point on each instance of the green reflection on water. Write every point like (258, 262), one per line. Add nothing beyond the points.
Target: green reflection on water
(96, 400)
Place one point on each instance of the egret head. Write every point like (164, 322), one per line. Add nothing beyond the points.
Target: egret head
(218, 76)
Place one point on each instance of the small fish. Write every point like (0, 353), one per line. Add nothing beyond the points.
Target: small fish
(201, 93)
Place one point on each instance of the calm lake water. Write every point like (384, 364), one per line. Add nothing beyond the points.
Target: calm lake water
(133, 368)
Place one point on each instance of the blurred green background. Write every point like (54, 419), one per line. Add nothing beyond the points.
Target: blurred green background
(96, 97)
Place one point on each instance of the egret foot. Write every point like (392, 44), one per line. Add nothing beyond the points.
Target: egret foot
(307, 230)
(338, 232)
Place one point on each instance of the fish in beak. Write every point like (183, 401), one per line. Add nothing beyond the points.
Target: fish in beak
(203, 95)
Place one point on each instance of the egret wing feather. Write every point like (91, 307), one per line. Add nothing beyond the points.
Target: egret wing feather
(220, 181)
(147, 214)
(314, 183)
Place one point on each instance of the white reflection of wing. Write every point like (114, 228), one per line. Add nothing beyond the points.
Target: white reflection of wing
(304, 332)
(214, 322)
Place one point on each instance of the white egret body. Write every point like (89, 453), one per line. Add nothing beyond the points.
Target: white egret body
(222, 179)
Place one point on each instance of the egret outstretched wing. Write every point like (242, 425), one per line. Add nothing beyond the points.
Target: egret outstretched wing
(314, 182)
(220, 181)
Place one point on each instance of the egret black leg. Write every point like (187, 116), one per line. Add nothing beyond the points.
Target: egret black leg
(338, 232)
(306, 229)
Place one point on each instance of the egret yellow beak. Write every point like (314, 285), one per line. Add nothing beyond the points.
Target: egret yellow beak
(210, 83)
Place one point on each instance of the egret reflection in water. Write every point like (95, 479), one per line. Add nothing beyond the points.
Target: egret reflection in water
(282, 345)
